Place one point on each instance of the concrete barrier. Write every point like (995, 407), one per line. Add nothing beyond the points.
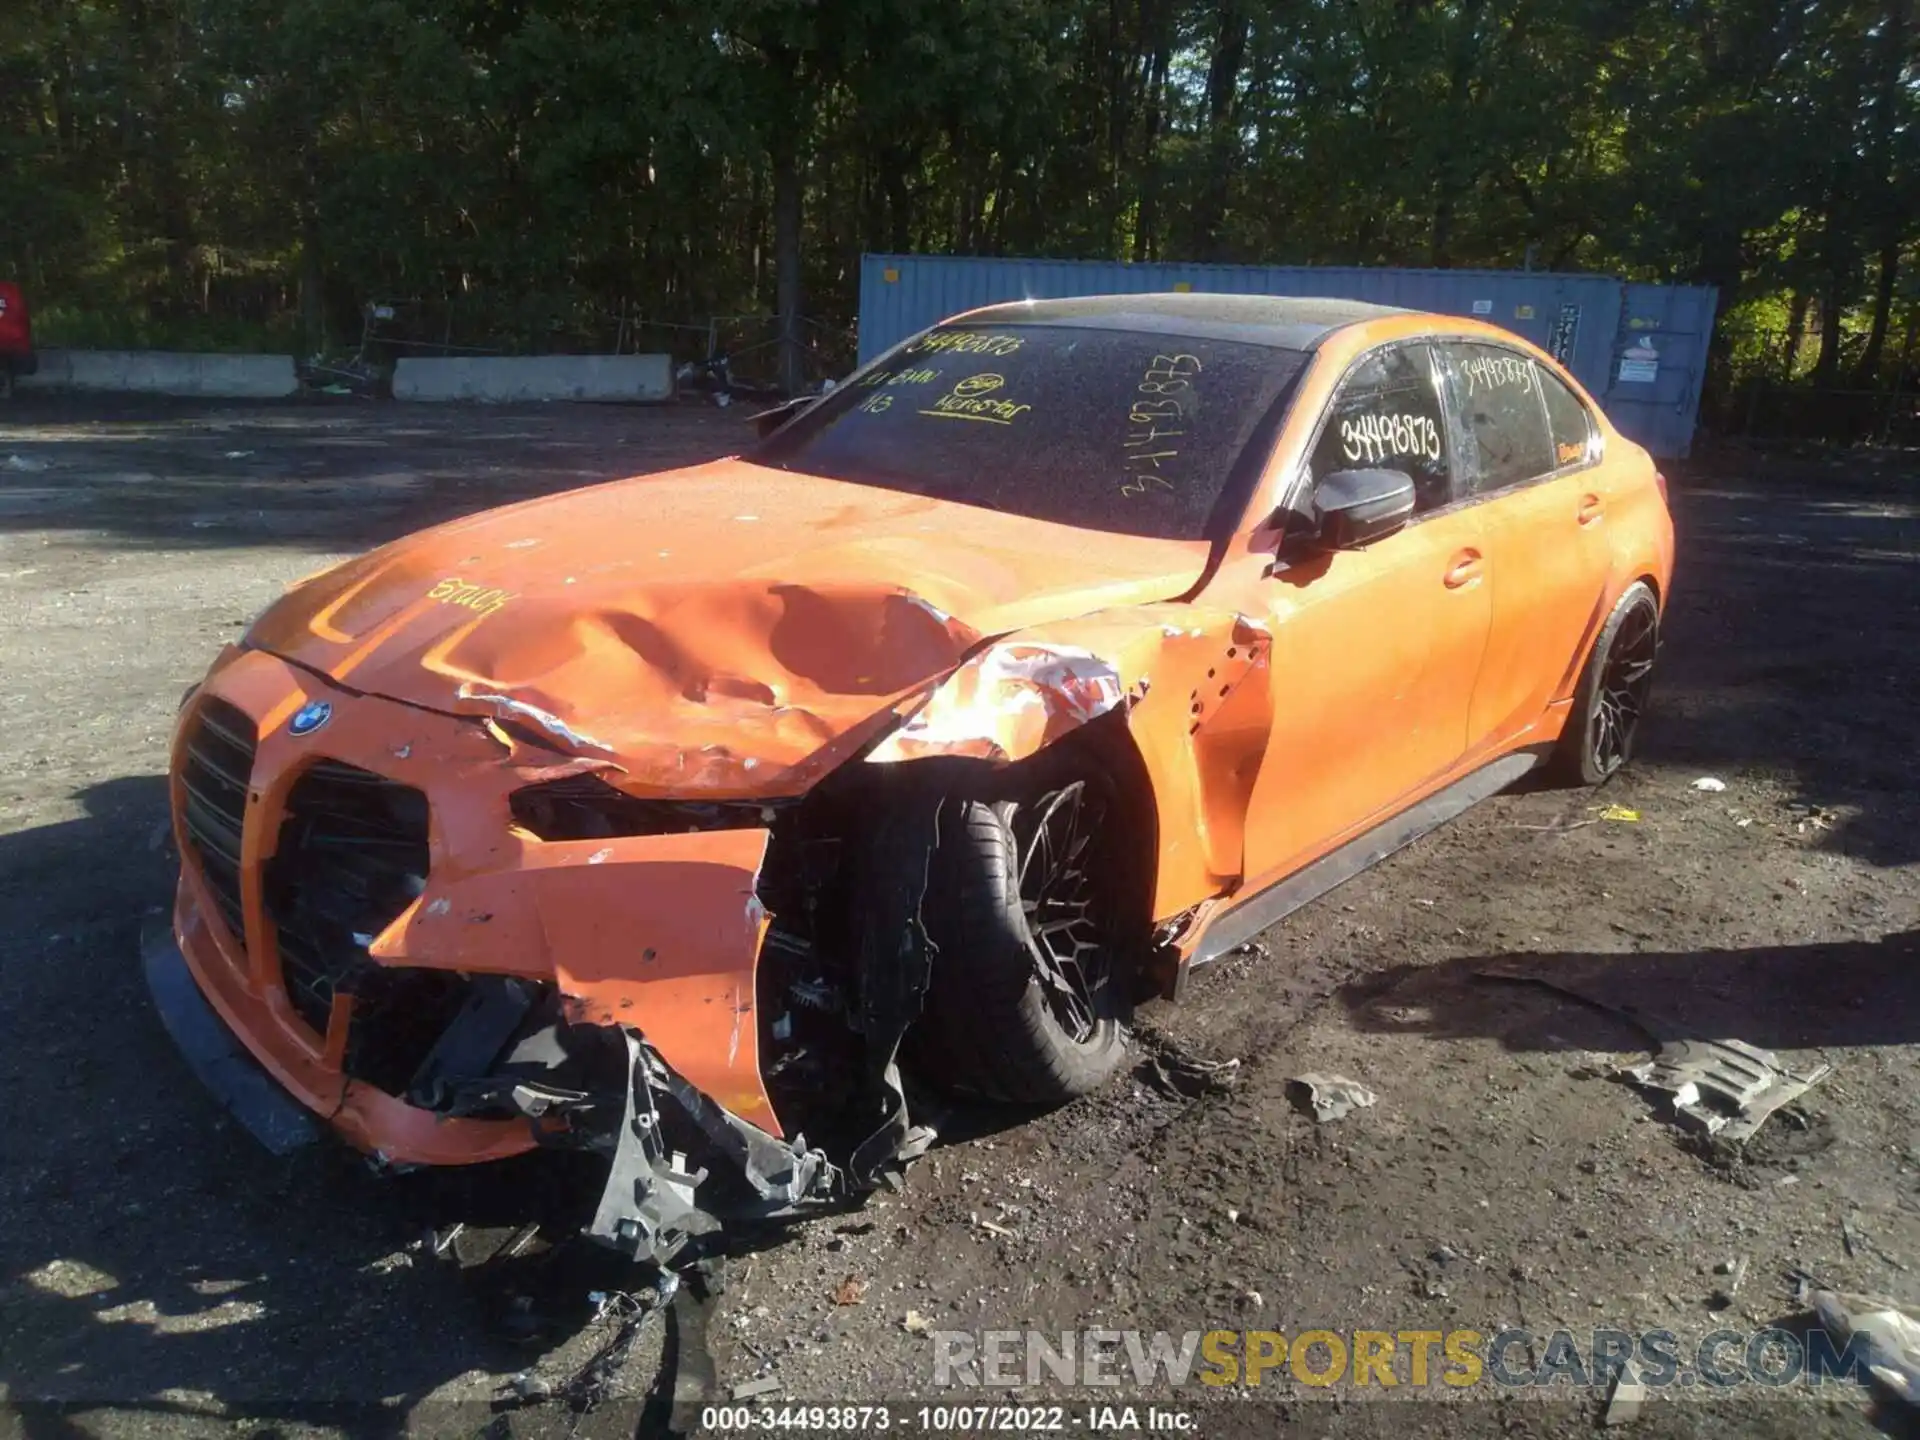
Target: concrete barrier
(500, 379)
(162, 372)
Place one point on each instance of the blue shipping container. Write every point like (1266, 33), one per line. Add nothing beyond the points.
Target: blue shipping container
(1584, 320)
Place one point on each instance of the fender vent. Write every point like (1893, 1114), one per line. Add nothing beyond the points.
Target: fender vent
(214, 779)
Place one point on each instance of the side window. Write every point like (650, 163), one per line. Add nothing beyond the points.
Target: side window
(1575, 439)
(1387, 416)
(1503, 427)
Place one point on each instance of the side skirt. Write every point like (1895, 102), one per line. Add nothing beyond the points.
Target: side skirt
(1287, 894)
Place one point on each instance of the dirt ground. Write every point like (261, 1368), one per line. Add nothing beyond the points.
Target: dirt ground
(160, 1275)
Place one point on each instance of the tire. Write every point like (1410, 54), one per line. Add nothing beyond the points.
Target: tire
(1611, 698)
(989, 1027)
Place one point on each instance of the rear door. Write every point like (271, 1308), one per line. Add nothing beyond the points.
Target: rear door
(1375, 650)
(1529, 457)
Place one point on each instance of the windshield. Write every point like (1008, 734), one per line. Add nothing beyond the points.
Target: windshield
(1128, 431)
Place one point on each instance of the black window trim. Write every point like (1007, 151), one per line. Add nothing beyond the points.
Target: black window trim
(1596, 437)
(1595, 450)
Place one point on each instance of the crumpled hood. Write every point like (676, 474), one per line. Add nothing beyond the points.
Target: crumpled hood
(726, 629)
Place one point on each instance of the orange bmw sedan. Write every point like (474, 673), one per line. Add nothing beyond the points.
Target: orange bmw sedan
(719, 821)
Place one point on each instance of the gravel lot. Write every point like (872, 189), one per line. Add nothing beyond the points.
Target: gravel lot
(160, 1275)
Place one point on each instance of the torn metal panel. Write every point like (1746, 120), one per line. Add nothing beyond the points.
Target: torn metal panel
(1192, 683)
(1727, 1088)
(660, 932)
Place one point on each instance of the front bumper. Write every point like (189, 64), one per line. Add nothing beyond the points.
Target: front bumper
(656, 935)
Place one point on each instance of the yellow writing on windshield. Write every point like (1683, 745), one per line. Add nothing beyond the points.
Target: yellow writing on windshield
(901, 377)
(965, 342)
(973, 398)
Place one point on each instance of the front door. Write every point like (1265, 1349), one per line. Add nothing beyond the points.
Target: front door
(1375, 650)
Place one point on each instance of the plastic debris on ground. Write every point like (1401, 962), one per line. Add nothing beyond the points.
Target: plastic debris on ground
(1620, 813)
(1183, 1077)
(1891, 1334)
(1629, 1395)
(1726, 1088)
(1331, 1096)
(1710, 784)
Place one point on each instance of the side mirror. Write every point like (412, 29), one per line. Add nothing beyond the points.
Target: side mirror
(768, 421)
(1357, 507)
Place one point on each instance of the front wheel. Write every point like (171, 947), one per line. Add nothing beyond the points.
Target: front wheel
(1611, 699)
(1026, 1003)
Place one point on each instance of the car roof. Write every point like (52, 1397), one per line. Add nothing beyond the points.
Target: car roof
(1286, 322)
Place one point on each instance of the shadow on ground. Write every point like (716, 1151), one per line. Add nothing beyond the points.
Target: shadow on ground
(1792, 997)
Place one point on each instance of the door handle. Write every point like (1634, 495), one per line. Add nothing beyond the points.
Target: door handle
(1591, 509)
(1464, 570)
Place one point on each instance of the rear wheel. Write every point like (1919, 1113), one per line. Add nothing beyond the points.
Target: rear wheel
(1612, 696)
(1026, 1002)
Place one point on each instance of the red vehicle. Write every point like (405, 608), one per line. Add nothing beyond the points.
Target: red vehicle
(16, 337)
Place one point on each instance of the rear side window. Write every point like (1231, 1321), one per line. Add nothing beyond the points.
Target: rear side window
(1570, 426)
(1502, 422)
(1387, 416)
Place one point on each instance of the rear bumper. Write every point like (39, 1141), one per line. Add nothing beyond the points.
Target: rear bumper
(20, 362)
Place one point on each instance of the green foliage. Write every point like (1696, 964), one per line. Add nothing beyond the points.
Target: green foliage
(242, 169)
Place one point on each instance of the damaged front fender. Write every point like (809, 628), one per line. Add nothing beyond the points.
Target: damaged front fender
(1193, 686)
(661, 933)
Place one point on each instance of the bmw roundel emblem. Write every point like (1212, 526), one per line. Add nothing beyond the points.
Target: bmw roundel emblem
(310, 717)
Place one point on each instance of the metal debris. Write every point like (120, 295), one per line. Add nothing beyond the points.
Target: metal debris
(1727, 1088)
(1892, 1335)
(1332, 1096)
(747, 1389)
